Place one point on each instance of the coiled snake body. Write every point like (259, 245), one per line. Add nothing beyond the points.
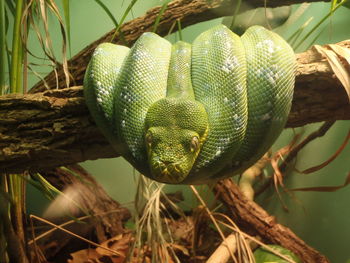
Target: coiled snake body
(182, 113)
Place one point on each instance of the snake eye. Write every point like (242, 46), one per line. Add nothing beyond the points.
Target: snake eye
(194, 143)
(149, 138)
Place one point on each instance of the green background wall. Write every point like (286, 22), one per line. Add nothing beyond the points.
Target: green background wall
(321, 219)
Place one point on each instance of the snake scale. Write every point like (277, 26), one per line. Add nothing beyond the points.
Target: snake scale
(182, 113)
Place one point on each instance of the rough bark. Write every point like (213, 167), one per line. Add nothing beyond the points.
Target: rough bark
(189, 12)
(54, 128)
(47, 130)
(249, 215)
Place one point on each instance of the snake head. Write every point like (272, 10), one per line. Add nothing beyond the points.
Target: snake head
(174, 138)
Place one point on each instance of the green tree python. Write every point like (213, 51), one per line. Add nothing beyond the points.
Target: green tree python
(182, 113)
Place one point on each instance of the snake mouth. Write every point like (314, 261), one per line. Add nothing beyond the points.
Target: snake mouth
(168, 172)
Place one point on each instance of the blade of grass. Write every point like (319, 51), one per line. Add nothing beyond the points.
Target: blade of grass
(316, 37)
(39, 186)
(238, 6)
(2, 47)
(53, 7)
(49, 187)
(66, 12)
(294, 37)
(11, 6)
(295, 16)
(161, 12)
(128, 9)
(108, 12)
(179, 29)
(330, 13)
(111, 16)
(16, 59)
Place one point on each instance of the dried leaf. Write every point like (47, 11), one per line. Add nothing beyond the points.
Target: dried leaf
(118, 243)
(324, 188)
(341, 52)
(84, 256)
(183, 249)
(337, 66)
(320, 166)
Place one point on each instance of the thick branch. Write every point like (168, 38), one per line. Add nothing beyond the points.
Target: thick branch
(54, 128)
(251, 216)
(189, 12)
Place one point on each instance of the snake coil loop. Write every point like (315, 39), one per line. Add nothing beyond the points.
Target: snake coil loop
(182, 113)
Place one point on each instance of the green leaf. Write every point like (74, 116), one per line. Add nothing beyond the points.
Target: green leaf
(263, 255)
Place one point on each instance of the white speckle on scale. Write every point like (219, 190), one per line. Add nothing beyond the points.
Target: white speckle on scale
(228, 45)
(181, 51)
(125, 110)
(225, 99)
(123, 123)
(274, 67)
(218, 152)
(229, 64)
(271, 80)
(239, 87)
(265, 117)
(99, 83)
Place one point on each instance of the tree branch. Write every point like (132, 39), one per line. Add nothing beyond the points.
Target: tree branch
(54, 128)
(249, 215)
(189, 12)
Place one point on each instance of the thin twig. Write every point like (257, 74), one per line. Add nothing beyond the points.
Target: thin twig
(212, 218)
(321, 131)
(77, 236)
(316, 134)
(30, 242)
